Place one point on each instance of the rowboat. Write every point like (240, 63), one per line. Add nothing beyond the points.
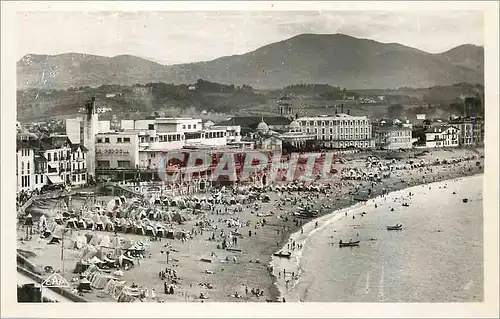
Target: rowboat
(349, 244)
(282, 254)
(396, 227)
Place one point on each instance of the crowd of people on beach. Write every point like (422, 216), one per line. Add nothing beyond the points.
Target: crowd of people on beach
(222, 224)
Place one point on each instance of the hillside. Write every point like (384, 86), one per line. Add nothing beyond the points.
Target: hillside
(78, 70)
(210, 99)
(337, 59)
(470, 56)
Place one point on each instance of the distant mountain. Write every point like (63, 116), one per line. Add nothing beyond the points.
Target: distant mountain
(468, 55)
(76, 70)
(337, 59)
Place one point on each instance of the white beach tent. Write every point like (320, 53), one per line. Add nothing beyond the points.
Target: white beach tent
(95, 260)
(105, 241)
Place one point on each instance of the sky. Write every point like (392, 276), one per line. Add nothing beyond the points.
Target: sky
(181, 37)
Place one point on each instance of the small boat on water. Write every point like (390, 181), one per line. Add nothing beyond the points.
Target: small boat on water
(281, 254)
(395, 227)
(405, 205)
(349, 244)
(465, 200)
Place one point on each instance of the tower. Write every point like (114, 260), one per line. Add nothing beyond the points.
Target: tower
(285, 107)
(90, 129)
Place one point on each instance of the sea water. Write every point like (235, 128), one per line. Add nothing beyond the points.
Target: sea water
(437, 257)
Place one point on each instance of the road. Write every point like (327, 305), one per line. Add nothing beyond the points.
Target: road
(48, 293)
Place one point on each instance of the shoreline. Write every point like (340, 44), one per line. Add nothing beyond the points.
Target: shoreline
(257, 250)
(330, 217)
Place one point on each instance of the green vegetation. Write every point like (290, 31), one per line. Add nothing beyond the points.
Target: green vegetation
(190, 99)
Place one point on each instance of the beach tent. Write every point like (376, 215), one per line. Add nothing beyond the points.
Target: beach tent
(81, 223)
(95, 240)
(129, 226)
(84, 285)
(77, 242)
(96, 218)
(118, 273)
(57, 234)
(107, 224)
(206, 206)
(58, 218)
(100, 280)
(80, 267)
(89, 223)
(152, 214)
(96, 261)
(176, 217)
(114, 288)
(150, 230)
(105, 241)
(129, 295)
(109, 262)
(139, 228)
(72, 223)
(88, 252)
(160, 231)
(90, 271)
(124, 260)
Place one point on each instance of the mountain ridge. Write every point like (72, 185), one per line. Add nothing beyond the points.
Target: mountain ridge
(337, 59)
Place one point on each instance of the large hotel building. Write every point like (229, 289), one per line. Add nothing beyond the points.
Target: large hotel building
(339, 131)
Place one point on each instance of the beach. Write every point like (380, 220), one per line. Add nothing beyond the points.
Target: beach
(441, 240)
(232, 275)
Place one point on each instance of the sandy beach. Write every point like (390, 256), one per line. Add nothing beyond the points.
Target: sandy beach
(237, 273)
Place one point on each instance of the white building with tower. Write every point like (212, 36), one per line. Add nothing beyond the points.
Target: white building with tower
(84, 130)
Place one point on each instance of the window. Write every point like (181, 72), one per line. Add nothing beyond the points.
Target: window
(36, 179)
(28, 166)
(126, 140)
(99, 140)
(55, 156)
(83, 177)
(151, 127)
(194, 126)
(118, 140)
(123, 163)
(103, 164)
(106, 140)
(189, 126)
(183, 126)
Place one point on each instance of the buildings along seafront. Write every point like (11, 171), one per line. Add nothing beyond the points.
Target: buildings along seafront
(92, 151)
